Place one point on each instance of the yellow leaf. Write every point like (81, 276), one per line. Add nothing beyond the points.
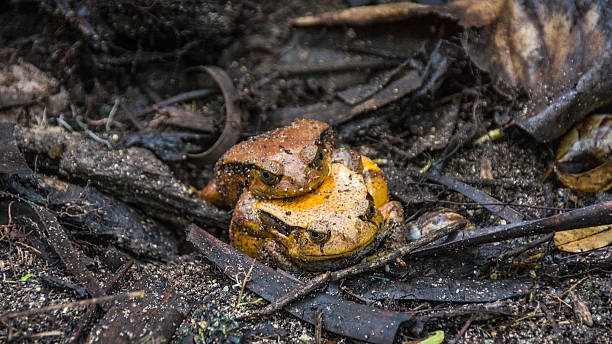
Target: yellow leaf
(584, 157)
(435, 338)
(584, 239)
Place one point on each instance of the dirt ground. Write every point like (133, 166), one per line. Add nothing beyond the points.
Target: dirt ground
(244, 38)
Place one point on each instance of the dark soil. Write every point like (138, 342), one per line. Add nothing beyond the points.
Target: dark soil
(132, 61)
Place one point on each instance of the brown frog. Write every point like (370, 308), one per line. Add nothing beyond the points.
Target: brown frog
(285, 162)
(342, 221)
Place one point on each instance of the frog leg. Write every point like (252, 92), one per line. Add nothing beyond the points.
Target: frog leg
(245, 242)
(246, 230)
(272, 252)
(394, 216)
(210, 193)
(373, 176)
(226, 188)
(376, 184)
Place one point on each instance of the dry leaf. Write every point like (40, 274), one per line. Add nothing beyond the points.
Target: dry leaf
(435, 338)
(25, 84)
(433, 221)
(584, 157)
(583, 239)
(581, 310)
(557, 52)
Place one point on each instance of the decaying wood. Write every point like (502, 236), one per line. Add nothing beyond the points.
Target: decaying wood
(11, 160)
(133, 175)
(437, 289)
(151, 318)
(49, 228)
(91, 310)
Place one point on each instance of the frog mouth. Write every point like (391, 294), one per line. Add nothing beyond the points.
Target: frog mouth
(340, 260)
(362, 249)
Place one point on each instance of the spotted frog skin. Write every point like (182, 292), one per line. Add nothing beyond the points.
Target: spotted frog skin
(285, 162)
(342, 221)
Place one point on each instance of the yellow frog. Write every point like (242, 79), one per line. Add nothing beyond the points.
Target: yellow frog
(342, 221)
(285, 162)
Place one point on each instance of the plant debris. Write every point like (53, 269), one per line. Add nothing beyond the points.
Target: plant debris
(438, 289)
(366, 323)
(107, 100)
(558, 53)
(584, 157)
(584, 239)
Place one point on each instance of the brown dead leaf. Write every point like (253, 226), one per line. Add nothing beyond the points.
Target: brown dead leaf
(581, 310)
(486, 170)
(584, 157)
(364, 15)
(559, 53)
(583, 239)
(24, 84)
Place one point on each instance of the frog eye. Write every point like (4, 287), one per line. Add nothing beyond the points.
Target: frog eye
(269, 178)
(317, 162)
(370, 212)
(317, 237)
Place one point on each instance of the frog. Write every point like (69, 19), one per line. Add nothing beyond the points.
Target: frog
(285, 162)
(343, 221)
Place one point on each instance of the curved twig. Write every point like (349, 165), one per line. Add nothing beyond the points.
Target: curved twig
(233, 119)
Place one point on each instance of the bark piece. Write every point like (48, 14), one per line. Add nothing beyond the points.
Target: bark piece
(133, 175)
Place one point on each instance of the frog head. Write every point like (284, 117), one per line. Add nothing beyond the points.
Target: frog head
(285, 162)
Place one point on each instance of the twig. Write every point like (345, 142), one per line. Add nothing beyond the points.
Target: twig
(46, 334)
(93, 308)
(15, 336)
(243, 284)
(504, 212)
(464, 328)
(528, 246)
(326, 277)
(131, 116)
(63, 123)
(573, 286)
(91, 133)
(111, 115)
(176, 99)
(594, 215)
(233, 117)
(140, 57)
(334, 67)
(132, 294)
(318, 326)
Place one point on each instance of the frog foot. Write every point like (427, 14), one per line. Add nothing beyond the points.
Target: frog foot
(211, 194)
(271, 253)
(394, 215)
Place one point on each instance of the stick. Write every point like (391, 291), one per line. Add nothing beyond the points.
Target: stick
(326, 277)
(132, 294)
(594, 215)
(94, 307)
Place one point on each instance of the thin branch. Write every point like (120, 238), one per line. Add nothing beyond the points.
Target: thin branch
(326, 277)
(132, 294)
